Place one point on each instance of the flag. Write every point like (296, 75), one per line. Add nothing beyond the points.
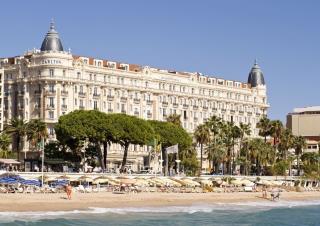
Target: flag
(172, 149)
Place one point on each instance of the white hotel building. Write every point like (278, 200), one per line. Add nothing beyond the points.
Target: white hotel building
(51, 82)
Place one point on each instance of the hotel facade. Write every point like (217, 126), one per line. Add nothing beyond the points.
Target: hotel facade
(51, 82)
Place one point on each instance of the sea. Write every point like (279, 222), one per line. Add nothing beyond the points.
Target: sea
(278, 213)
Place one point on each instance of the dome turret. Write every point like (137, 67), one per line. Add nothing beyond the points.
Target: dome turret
(52, 41)
(256, 76)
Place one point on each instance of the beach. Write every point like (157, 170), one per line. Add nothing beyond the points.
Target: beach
(82, 201)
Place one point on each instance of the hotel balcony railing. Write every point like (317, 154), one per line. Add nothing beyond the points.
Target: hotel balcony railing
(258, 114)
(223, 110)
(205, 108)
(185, 106)
(64, 106)
(149, 115)
(37, 106)
(241, 112)
(149, 102)
(195, 118)
(123, 111)
(50, 106)
(136, 100)
(110, 97)
(82, 94)
(214, 109)
(136, 113)
(175, 105)
(123, 99)
(249, 113)
(96, 95)
(164, 103)
(110, 110)
(50, 92)
(81, 107)
(232, 111)
(64, 92)
(195, 107)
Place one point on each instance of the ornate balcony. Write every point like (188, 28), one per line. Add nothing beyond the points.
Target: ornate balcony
(50, 107)
(110, 97)
(64, 93)
(110, 110)
(96, 95)
(232, 111)
(81, 107)
(149, 102)
(195, 107)
(136, 100)
(175, 105)
(50, 93)
(123, 99)
(164, 103)
(82, 94)
(149, 115)
(64, 107)
(185, 106)
(205, 108)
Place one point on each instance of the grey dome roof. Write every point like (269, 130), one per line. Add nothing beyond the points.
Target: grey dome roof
(52, 41)
(256, 76)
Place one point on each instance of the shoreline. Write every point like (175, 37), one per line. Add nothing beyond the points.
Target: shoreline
(81, 201)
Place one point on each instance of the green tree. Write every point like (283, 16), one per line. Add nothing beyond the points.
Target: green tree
(286, 142)
(299, 143)
(36, 129)
(264, 126)
(175, 119)
(130, 130)
(170, 134)
(202, 136)
(5, 141)
(17, 128)
(276, 128)
(79, 127)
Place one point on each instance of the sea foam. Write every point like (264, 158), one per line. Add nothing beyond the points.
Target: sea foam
(6, 217)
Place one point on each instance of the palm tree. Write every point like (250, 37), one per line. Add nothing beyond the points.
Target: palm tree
(17, 128)
(244, 130)
(217, 154)
(36, 131)
(5, 141)
(299, 143)
(202, 136)
(276, 128)
(175, 119)
(286, 142)
(264, 127)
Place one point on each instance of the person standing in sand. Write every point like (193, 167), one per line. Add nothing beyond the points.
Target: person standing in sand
(264, 192)
(69, 191)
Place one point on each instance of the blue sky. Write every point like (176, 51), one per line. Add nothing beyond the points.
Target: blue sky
(220, 38)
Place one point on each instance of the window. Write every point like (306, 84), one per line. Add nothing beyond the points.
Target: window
(39, 73)
(95, 91)
(51, 101)
(95, 77)
(78, 75)
(81, 89)
(90, 77)
(51, 88)
(64, 73)
(51, 72)
(75, 89)
(75, 101)
(81, 103)
(51, 131)
(51, 114)
(95, 105)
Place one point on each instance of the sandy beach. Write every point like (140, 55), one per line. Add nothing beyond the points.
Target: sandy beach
(58, 201)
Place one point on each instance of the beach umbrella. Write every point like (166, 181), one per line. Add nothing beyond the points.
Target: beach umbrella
(247, 183)
(85, 179)
(236, 182)
(63, 177)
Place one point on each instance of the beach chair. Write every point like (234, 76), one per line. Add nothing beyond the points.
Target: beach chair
(3, 190)
(81, 189)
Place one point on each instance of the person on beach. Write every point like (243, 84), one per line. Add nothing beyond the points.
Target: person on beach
(264, 192)
(69, 191)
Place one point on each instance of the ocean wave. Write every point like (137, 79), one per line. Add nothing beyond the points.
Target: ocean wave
(6, 217)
